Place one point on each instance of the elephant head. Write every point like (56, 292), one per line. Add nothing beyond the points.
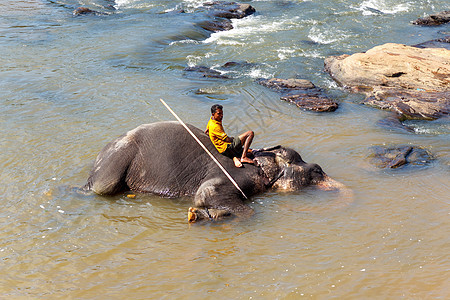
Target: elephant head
(286, 170)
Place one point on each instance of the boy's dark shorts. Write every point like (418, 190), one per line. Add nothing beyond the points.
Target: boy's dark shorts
(234, 149)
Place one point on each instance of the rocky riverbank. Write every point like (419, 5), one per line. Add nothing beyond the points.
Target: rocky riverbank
(413, 82)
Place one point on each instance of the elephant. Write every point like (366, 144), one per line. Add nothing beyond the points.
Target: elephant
(162, 158)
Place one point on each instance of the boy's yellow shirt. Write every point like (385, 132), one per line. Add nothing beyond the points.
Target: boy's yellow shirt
(217, 135)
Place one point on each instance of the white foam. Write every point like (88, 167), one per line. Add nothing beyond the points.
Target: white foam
(195, 60)
(331, 84)
(120, 3)
(247, 27)
(288, 52)
(194, 3)
(183, 42)
(312, 54)
(131, 4)
(326, 36)
(258, 73)
(177, 7)
(422, 131)
(284, 53)
(371, 7)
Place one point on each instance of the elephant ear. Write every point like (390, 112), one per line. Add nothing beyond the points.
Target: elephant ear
(267, 161)
(289, 156)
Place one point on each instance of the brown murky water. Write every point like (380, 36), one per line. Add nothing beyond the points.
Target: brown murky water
(70, 85)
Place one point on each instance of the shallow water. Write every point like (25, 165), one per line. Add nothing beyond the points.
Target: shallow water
(69, 85)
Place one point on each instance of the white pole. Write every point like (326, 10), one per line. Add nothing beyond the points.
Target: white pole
(204, 148)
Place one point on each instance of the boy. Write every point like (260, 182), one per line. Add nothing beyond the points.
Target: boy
(226, 145)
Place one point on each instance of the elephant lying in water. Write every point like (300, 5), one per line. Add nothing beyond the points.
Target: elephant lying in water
(163, 159)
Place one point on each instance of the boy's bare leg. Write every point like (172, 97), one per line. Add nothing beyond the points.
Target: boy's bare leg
(246, 140)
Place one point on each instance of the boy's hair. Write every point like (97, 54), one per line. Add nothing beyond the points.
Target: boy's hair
(215, 107)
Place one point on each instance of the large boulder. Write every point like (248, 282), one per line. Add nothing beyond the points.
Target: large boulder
(411, 81)
(434, 19)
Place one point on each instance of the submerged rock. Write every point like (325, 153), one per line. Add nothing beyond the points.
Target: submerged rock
(437, 43)
(396, 156)
(434, 19)
(206, 72)
(411, 81)
(282, 85)
(216, 25)
(237, 65)
(230, 10)
(85, 11)
(312, 102)
(222, 12)
(411, 104)
(302, 93)
(392, 122)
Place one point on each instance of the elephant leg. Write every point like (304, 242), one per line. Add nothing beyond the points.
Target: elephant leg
(110, 168)
(198, 214)
(216, 199)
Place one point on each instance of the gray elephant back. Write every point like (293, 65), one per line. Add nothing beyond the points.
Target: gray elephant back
(160, 158)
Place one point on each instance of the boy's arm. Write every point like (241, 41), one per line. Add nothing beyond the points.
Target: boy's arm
(207, 131)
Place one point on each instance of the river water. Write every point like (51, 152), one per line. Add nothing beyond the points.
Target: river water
(69, 85)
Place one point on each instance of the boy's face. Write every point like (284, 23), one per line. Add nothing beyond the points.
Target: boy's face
(218, 115)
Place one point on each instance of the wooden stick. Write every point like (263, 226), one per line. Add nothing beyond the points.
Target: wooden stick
(204, 148)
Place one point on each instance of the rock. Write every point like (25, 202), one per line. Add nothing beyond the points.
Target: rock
(230, 10)
(235, 65)
(373, 10)
(232, 69)
(286, 84)
(411, 81)
(313, 103)
(437, 43)
(213, 91)
(393, 65)
(206, 72)
(302, 93)
(434, 19)
(222, 12)
(396, 156)
(84, 11)
(216, 25)
(411, 104)
(173, 12)
(87, 11)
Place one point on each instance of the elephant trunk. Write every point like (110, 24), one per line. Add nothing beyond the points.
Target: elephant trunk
(345, 196)
(329, 184)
